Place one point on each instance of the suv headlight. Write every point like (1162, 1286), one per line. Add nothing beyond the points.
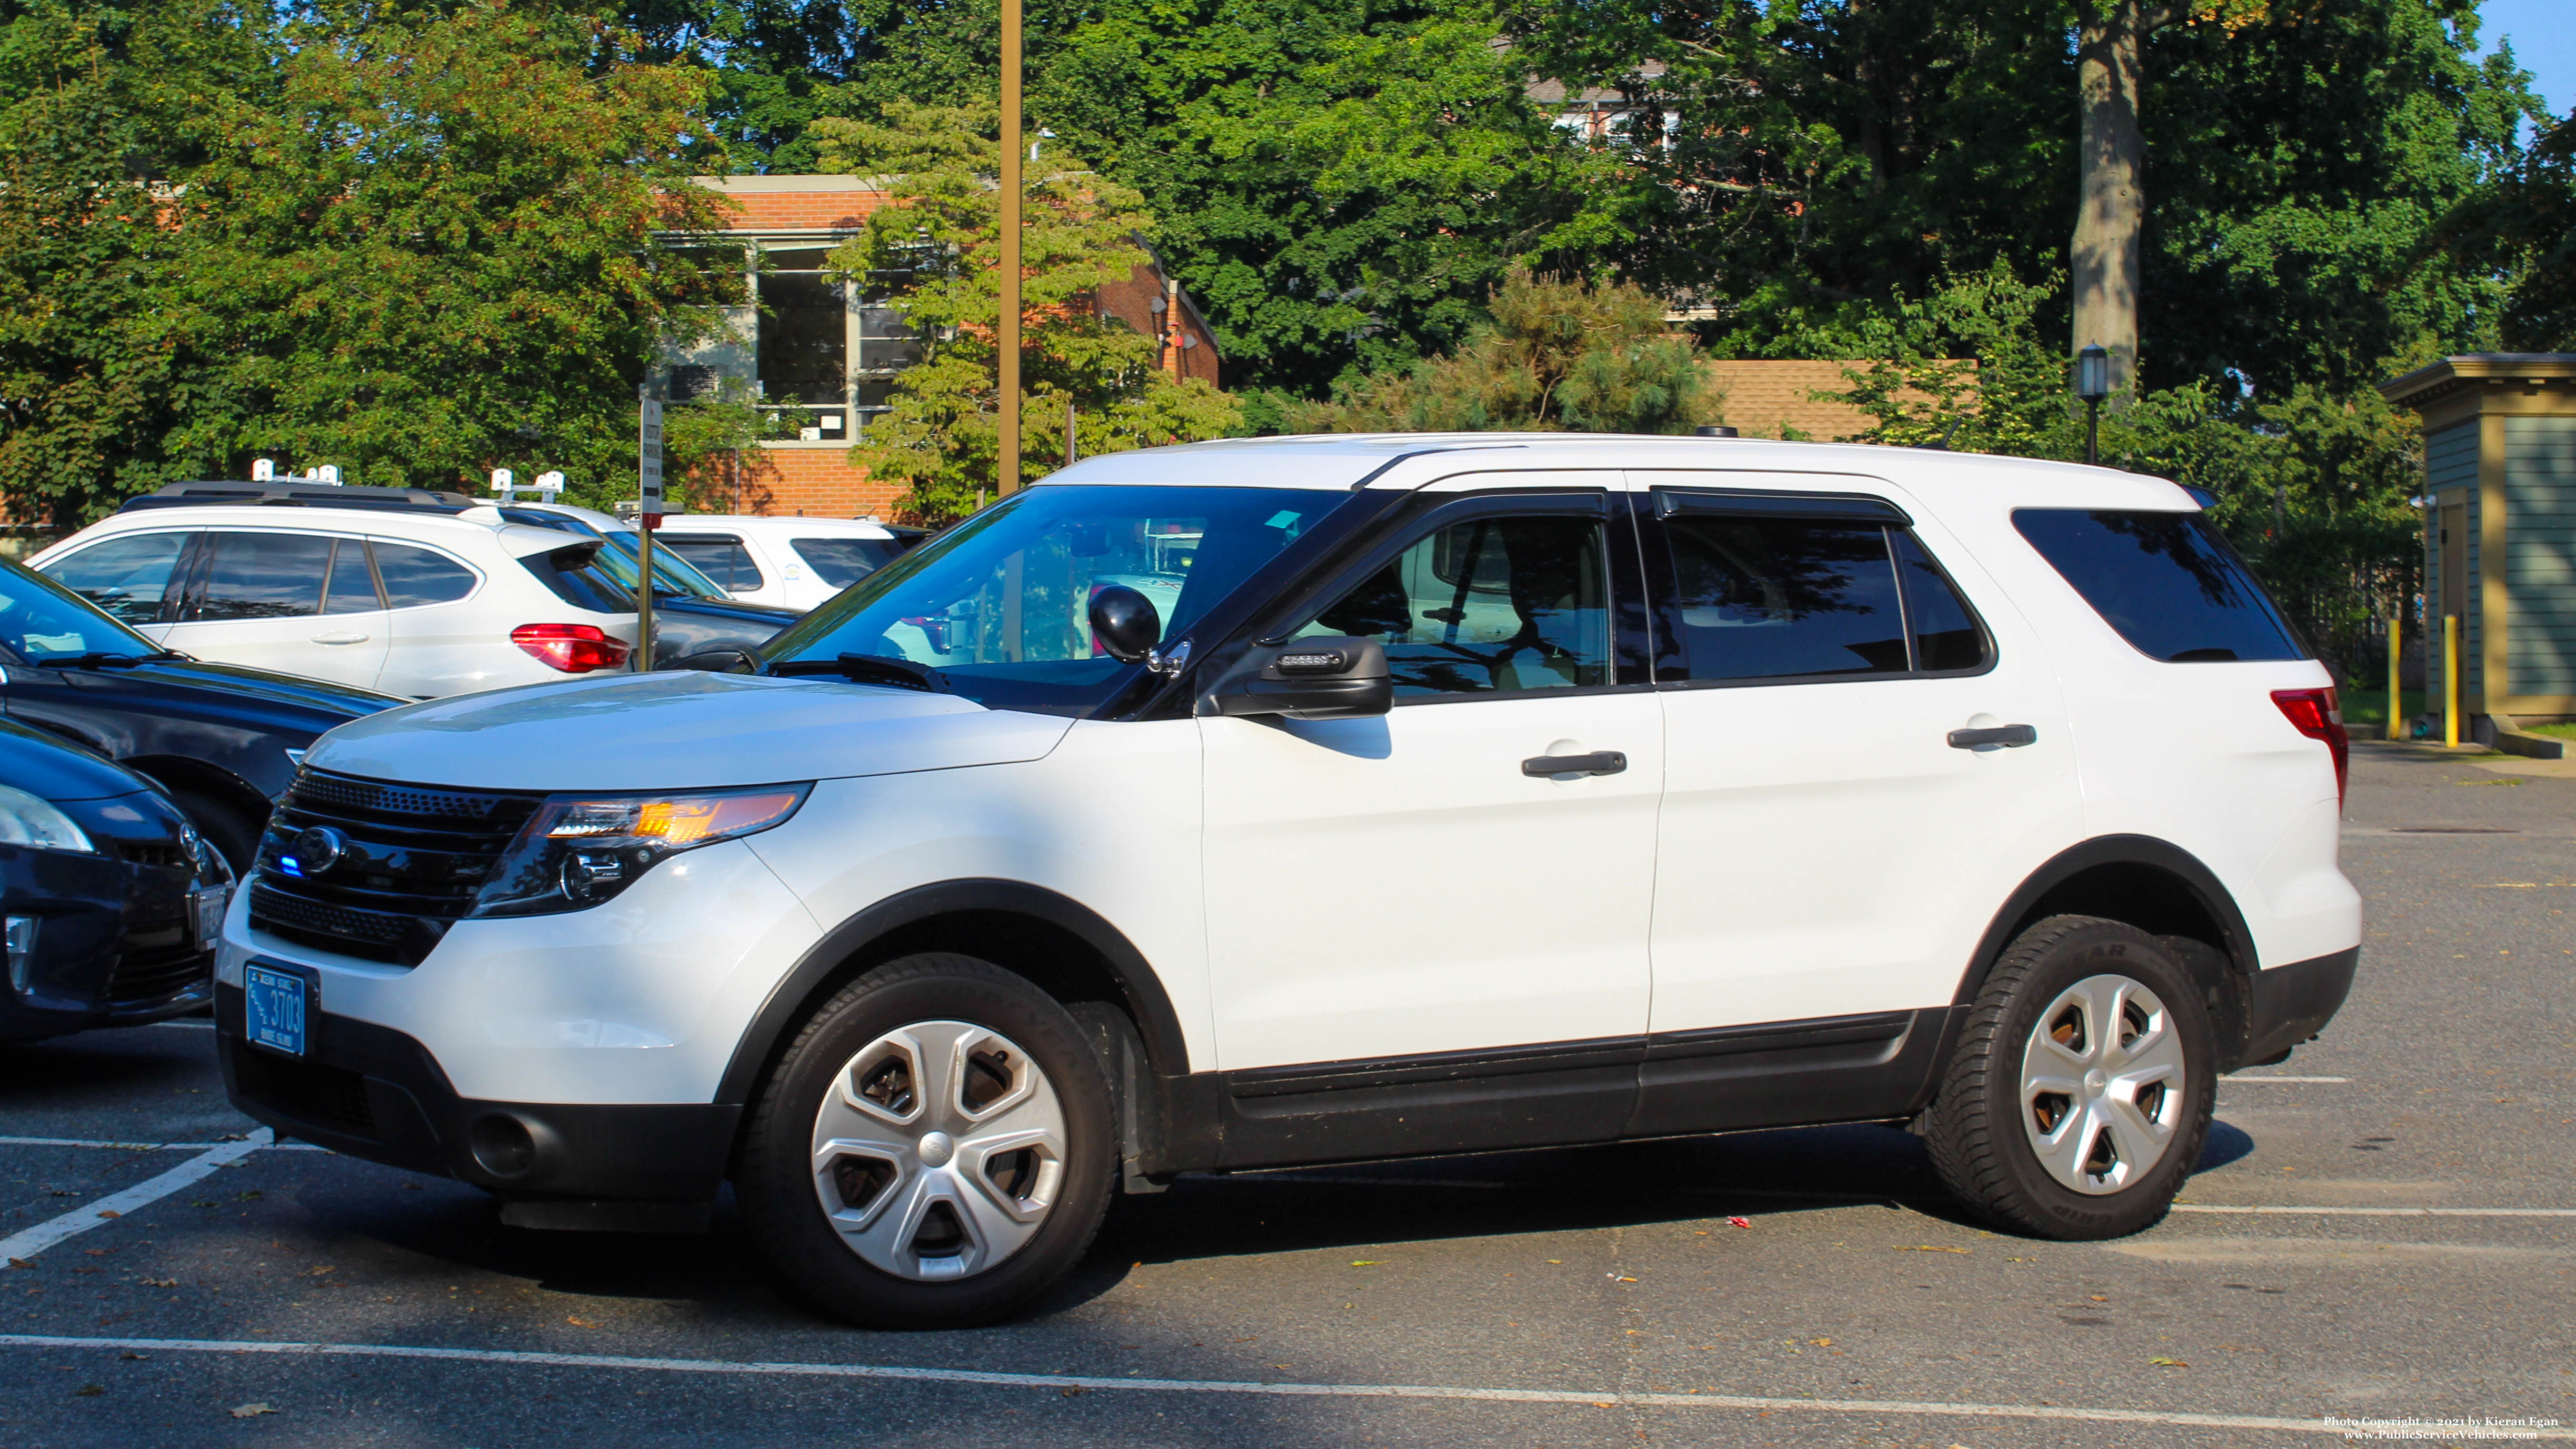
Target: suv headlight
(580, 850)
(26, 820)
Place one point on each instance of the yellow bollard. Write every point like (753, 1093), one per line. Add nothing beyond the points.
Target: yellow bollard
(2451, 680)
(2396, 696)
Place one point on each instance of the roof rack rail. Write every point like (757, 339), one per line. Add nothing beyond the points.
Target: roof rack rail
(299, 495)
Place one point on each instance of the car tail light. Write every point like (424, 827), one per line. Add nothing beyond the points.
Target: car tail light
(2317, 714)
(572, 648)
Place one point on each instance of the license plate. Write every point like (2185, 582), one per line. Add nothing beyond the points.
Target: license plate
(206, 913)
(273, 1008)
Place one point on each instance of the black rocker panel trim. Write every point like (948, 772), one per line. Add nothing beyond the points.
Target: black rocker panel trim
(1865, 1068)
(789, 999)
(1559, 1094)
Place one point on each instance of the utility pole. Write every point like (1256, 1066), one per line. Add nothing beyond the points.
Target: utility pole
(1008, 334)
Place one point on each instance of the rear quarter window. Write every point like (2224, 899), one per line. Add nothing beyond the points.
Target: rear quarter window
(2168, 582)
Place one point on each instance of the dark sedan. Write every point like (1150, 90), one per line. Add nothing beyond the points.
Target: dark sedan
(221, 739)
(111, 899)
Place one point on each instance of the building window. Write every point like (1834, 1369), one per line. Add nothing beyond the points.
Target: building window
(804, 342)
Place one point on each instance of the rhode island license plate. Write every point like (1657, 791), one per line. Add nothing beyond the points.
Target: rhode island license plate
(274, 1008)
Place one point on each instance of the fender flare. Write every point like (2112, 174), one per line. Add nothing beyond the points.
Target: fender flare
(2199, 879)
(1146, 1000)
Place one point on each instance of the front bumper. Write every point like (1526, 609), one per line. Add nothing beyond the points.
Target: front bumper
(113, 942)
(2287, 1005)
(370, 1091)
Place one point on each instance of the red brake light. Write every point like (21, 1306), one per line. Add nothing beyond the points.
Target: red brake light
(2317, 714)
(572, 648)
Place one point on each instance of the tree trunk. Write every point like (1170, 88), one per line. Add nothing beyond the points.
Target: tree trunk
(2112, 158)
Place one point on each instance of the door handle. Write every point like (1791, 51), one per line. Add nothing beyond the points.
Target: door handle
(340, 636)
(1599, 762)
(2011, 735)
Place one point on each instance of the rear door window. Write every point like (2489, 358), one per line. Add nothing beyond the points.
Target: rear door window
(262, 576)
(1781, 598)
(722, 559)
(2168, 582)
(127, 577)
(841, 562)
(417, 576)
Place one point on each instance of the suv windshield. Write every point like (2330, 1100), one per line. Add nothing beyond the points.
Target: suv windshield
(40, 621)
(999, 606)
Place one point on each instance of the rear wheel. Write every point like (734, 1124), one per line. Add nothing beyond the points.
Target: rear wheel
(2078, 1097)
(932, 1150)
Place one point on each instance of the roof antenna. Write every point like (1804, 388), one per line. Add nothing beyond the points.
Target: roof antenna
(1713, 430)
(1942, 445)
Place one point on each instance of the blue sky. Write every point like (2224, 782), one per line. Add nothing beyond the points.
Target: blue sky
(2544, 42)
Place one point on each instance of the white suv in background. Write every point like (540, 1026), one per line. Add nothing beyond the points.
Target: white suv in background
(793, 562)
(402, 591)
(1460, 793)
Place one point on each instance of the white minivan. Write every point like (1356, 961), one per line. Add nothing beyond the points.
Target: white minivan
(1307, 800)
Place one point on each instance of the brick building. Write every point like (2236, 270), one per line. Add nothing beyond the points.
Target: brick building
(826, 354)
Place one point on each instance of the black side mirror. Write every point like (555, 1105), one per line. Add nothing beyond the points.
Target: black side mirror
(1329, 677)
(1125, 623)
(718, 661)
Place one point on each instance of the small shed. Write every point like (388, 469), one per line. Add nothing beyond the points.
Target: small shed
(2500, 532)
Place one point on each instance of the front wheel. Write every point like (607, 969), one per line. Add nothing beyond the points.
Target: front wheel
(932, 1150)
(2078, 1097)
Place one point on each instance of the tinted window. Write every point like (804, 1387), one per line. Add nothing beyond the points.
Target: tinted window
(723, 560)
(841, 561)
(351, 589)
(2167, 581)
(415, 576)
(1946, 635)
(262, 576)
(125, 576)
(1770, 598)
(1491, 605)
(41, 620)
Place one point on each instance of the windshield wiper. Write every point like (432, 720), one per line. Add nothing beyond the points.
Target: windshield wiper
(96, 660)
(872, 669)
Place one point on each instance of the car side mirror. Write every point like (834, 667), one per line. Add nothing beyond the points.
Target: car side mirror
(1329, 677)
(718, 661)
(1125, 623)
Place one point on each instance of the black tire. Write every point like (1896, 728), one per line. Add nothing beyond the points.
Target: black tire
(776, 1180)
(233, 834)
(1980, 1128)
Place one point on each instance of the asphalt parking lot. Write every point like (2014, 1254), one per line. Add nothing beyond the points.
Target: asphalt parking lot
(2384, 1227)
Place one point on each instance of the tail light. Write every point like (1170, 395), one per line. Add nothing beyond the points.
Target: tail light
(2317, 714)
(572, 648)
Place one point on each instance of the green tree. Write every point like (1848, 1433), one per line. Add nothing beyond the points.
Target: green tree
(2524, 228)
(1558, 356)
(103, 109)
(1789, 158)
(776, 64)
(934, 249)
(445, 243)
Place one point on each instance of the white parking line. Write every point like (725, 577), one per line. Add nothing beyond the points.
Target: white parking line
(2378, 1212)
(151, 1146)
(1060, 1382)
(2230, 1081)
(28, 1242)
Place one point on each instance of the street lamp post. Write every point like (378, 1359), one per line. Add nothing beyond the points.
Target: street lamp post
(2093, 384)
(1007, 335)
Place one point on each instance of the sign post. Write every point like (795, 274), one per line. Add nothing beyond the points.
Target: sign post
(648, 516)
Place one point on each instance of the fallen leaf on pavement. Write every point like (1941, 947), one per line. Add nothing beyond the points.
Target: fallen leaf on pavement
(252, 1411)
(90, 1390)
(109, 1213)
(1366, 1263)
(1822, 1342)
(1739, 1222)
(2170, 1362)
(20, 1263)
(158, 1282)
(582, 1322)
(318, 1272)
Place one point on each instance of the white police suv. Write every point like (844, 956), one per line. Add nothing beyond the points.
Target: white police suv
(1322, 799)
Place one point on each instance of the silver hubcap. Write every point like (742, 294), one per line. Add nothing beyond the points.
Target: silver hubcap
(939, 1150)
(2102, 1084)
